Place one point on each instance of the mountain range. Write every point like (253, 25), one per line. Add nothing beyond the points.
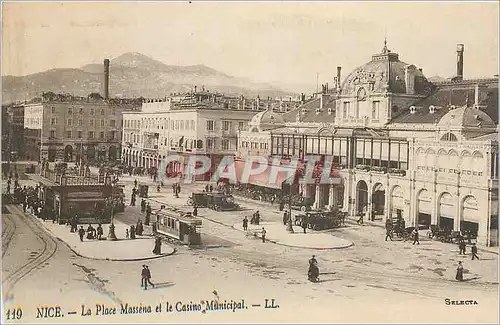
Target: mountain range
(133, 75)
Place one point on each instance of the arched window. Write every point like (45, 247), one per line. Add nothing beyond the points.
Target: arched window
(449, 137)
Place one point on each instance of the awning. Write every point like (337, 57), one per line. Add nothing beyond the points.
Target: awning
(263, 179)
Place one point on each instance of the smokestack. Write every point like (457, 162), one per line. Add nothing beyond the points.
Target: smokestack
(106, 78)
(460, 61)
(339, 69)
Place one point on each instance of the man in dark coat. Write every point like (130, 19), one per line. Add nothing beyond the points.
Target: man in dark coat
(148, 214)
(143, 205)
(81, 233)
(461, 247)
(415, 236)
(285, 217)
(474, 251)
(146, 277)
(195, 211)
(304, 224)
(245, 223)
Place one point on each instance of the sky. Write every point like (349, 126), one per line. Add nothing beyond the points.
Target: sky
(289, 43)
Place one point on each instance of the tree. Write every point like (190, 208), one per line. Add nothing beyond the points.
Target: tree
(94, 96)
(49, 96)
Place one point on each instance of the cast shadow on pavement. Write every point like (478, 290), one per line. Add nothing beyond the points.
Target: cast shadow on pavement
(163, 285)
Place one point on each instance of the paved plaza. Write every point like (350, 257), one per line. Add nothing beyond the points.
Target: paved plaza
(371, 273)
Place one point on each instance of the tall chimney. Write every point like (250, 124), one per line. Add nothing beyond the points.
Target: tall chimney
(106, 78)
(338, 77)
(460, 61)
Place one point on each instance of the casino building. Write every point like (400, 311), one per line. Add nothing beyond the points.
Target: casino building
(401, 145)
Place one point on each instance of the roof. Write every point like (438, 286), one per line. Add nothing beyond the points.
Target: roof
(308, 113)
(444, 97)
(267, 119)
(385, 72)
(466, 117)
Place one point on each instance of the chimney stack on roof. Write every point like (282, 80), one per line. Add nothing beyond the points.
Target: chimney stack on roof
(106, 78)
(460, 61)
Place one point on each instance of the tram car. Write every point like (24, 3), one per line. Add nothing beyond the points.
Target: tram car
(178, 225)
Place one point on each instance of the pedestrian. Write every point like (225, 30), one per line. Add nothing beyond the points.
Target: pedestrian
(100, 232)
(474, 251)
(211, 188)
(388, 233)
(135, 183)
(285, 217)
(273, 198)
(127, 234)
(304, 224)
(157, 248)
(360, 220)
(460, 272)
(148, 214)
(206, 188)
(264, 235)
(415, 236)
(461, 247)
(143, 205)
(245, 223)
(146, 277)
(81, 233)
(195, 211)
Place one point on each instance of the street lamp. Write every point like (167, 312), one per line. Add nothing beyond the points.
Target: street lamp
(111, 234)
(289, 226)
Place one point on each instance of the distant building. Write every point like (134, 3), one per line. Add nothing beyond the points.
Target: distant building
(200, 123)
(71, 128)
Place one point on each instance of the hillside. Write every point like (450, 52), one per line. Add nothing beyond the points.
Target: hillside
(133, 75)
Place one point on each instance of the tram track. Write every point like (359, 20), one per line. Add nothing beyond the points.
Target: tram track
(48, 251)
(367, 275)
(406, 283)
(8, 232)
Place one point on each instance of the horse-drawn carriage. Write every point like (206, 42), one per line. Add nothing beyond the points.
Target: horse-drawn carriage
(298, 203)
(321, 220)
(446, 235)
(214, 201)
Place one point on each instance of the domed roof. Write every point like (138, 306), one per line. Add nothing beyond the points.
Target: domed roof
(385, 72)
(466, 117)
(267, 120)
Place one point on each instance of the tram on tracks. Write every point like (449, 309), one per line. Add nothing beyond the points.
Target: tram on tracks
(178, 225)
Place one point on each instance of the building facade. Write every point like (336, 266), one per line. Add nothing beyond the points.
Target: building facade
(72, 128)
(199, 123)
(403, 145)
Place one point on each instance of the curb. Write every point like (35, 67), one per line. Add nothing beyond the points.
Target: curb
(97, 258)
(268, 240)
(302, 247)
(118, 259)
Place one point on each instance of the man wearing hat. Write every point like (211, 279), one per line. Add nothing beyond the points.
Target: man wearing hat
(146, 277)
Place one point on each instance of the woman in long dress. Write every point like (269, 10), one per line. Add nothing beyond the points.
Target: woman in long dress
(460, 272)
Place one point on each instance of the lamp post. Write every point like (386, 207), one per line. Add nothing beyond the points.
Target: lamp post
(289, 226)
(111, 234)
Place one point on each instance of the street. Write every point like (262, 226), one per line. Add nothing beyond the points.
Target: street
(372, 281)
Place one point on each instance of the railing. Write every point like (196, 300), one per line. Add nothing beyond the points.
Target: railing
(81, 180)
